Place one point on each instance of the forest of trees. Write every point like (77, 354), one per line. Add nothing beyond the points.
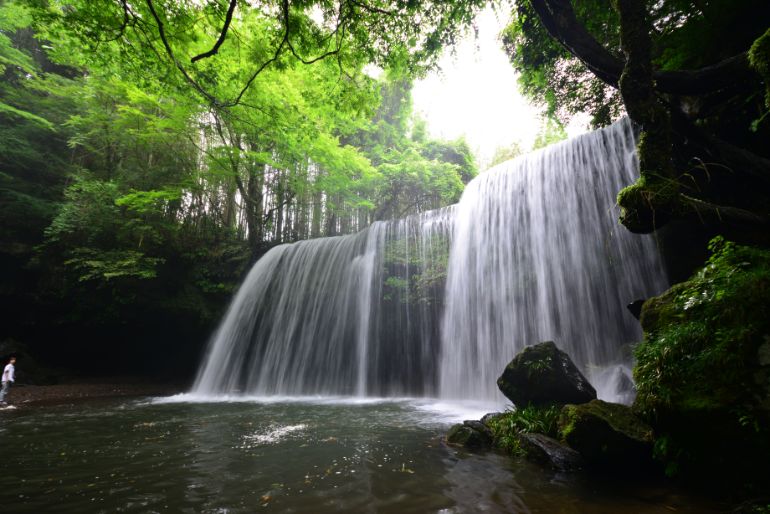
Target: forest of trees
(150, 151)
(133, 196)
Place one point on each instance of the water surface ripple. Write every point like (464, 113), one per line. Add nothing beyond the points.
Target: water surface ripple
(309, 455)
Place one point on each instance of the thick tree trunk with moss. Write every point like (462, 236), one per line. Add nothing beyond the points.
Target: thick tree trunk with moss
(656, 197)
(652, 201)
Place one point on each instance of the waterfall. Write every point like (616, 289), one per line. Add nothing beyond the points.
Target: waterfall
(538, 255)
(436, 304)
(335, 316)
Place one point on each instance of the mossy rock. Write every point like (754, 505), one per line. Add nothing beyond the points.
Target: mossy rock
(703, 369)
(607, 434)
(470, 434)
(543, 375)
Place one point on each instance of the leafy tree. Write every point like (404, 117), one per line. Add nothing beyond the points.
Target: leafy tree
(684, 74)
(136, 188)
(505, 153)
(552, 131)
(550, 75)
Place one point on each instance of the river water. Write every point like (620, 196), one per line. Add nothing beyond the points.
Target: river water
(288, 455)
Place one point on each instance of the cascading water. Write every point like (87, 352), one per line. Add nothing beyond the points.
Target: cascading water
(334, 316)
(538, 255)
(534, 252)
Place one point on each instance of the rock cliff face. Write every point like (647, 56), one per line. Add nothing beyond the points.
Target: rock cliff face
(544, 375)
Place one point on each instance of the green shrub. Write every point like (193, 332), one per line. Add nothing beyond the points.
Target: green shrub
(703, 369)
(702, 337)
(507, 426)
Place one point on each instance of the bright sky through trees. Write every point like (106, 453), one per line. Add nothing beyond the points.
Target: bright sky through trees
(475, 94)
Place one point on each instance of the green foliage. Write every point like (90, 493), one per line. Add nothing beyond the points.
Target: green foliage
(91, 264)
(129, 191)
(550, 76)
(705, 359)
(506, 427)
(686, 35)
(551, 132)
(703, 335)
(505, 153)
(424, 262)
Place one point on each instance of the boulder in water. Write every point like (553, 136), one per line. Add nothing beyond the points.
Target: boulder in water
(470, 434)
(607, 434)
(550, 452)
(490, 416)
(544, 375)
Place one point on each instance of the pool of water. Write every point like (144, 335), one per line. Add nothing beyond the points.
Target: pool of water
(312, 455)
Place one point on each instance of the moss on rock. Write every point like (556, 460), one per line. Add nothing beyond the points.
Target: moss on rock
(648, 203)
(703, 369)
(470, 434)
(759, 59)
(607, 434)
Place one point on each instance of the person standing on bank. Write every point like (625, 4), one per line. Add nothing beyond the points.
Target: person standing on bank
(9, 377)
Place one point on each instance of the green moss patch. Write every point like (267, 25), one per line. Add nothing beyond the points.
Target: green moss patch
(703, 369)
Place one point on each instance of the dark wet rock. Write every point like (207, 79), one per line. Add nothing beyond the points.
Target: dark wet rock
(470, 434)
(544, 375)
(607, 434)
(635, 308)
(490, 416)
(549, 452)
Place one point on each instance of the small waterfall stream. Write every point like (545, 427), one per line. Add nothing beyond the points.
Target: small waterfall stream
(436, 304)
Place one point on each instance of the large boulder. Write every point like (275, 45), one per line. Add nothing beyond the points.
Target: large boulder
(549, 452)
(470, 434)
(607, 434)
(544, 375)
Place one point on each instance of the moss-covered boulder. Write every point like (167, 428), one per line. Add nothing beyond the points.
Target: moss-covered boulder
(607, 434)
(703, 369)
(544, 375)
(470, 434)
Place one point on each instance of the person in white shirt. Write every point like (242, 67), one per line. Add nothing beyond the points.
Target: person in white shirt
(9, 377)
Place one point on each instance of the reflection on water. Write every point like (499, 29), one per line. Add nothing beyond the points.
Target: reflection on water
(311, 456)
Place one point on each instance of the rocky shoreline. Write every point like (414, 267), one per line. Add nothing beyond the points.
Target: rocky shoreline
(39, 395)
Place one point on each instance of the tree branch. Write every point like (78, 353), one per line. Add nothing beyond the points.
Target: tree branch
(285, 42)
(707, 212)
(559, 19)
(222, 34)
(170, 52)
(370, 8)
